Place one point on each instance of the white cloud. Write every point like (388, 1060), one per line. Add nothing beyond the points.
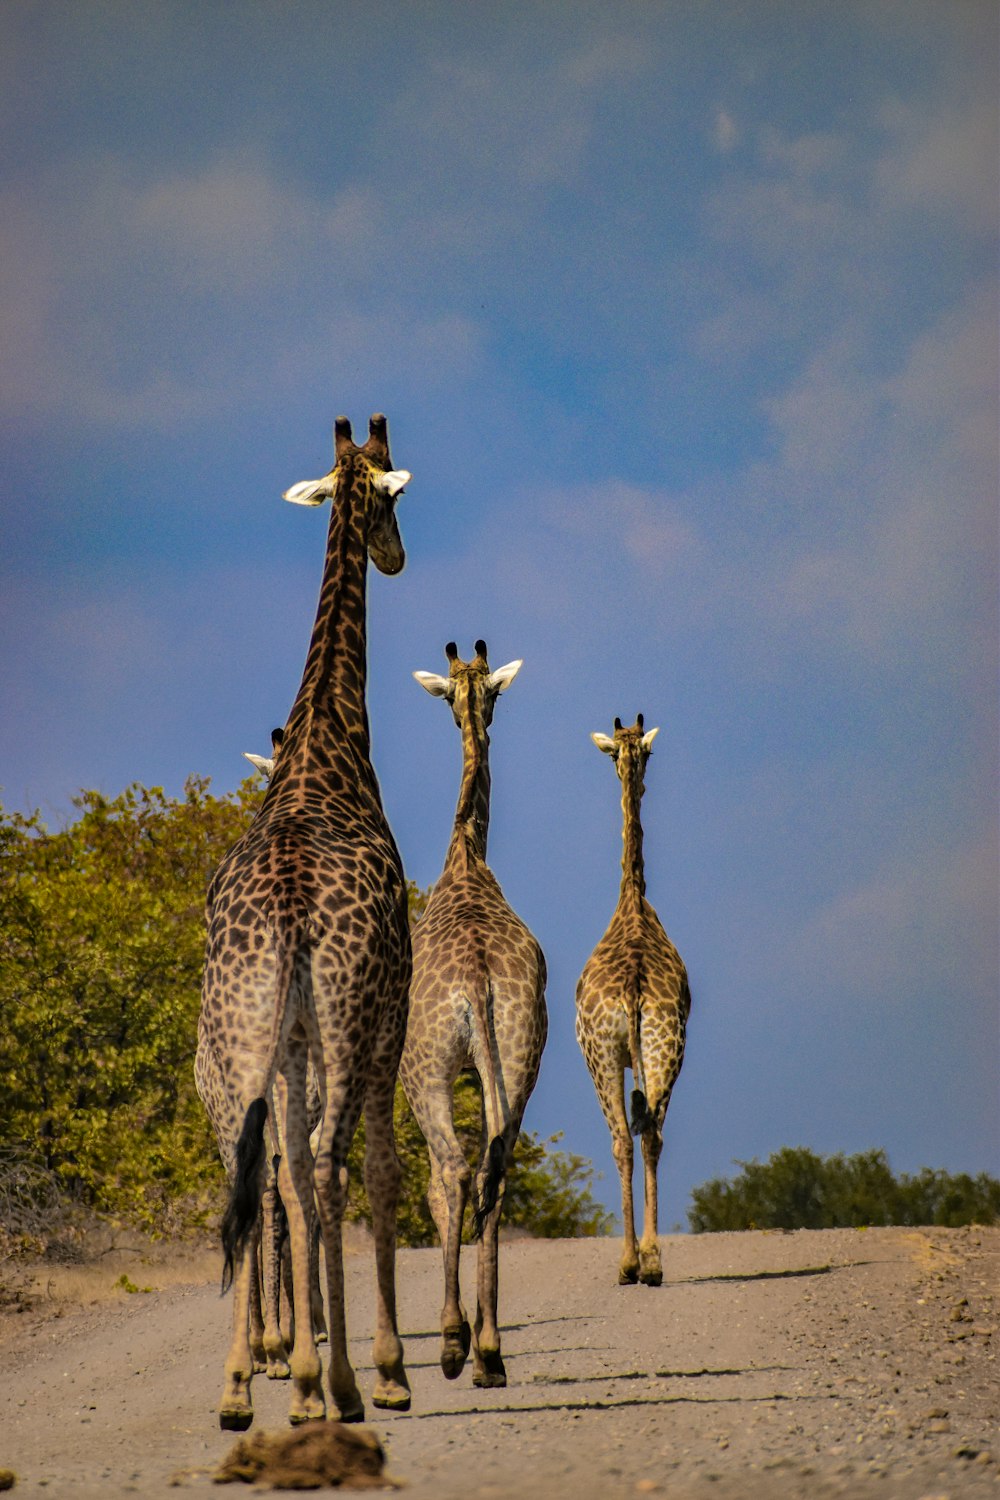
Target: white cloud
(725, 132)
(943, 162)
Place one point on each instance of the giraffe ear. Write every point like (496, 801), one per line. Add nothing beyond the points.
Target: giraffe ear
(604, 742)
(440, 687)
(501, 679)
(392, 483)
(310, 491)
(263, 764)
(649, 737)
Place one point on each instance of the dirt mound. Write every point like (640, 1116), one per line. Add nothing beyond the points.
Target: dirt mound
(308, 1458)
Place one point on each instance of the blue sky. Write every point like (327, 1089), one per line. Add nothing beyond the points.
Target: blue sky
(685, 320)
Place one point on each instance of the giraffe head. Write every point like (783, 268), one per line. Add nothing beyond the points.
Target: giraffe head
(470, 687)
(629, 748)
(264, 764)
(368, 473)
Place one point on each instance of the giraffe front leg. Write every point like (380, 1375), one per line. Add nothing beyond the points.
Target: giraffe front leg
(315, 1294)
(256, 1330)
(274, 1343)
(650, 1264)
(236, 1406)
(382, 1179)
(621, 1146)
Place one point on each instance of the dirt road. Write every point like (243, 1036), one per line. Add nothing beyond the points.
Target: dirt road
(841, 1363)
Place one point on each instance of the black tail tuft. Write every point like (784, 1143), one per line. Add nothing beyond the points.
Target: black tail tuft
(495, 1168)
(642, 1116)
(243, 1208)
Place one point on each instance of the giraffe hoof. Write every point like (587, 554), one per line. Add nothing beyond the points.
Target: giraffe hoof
(490, 1374)
(651, 1276)
(278, 1369)
(455, 1350)
(235, 1418)
(628, 1275)
(352, 1413)
(391, 1398)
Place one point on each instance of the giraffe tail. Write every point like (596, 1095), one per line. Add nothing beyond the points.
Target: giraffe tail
(243, 1209)
(495, 1168)
(641, 1116)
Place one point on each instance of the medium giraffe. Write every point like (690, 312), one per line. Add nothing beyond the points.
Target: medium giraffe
(477, 1001)
(632, 1005)
(308, 959)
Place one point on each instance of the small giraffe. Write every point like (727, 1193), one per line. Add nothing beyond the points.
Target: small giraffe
(308, 959)
(270, 1313)
(632, 1005)
(477, 1002)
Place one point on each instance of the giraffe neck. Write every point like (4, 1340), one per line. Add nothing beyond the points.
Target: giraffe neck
(328, 726)
(472, 815)
(633, 887)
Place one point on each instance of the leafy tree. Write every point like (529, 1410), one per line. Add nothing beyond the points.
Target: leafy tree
(796, 1189)
(101, 950)
(101, 944)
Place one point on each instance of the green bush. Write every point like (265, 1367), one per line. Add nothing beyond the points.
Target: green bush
(796, 1189)
(101, 950)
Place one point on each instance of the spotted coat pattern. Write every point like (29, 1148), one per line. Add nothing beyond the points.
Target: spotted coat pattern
(477, 1002)
(308, 958)
(632, 1005)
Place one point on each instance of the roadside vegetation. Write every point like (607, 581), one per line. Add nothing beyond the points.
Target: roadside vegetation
(101, 940)
(796, 1189)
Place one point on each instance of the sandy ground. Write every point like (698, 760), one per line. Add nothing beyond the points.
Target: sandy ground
(840, 1363)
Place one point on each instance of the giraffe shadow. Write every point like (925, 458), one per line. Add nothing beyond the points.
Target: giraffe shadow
(797, 1272)
(536, 1408)
(610, 1375)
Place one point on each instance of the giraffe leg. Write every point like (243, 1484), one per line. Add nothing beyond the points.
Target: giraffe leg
(295, 1183)
(456, 1332)
(256, 1330)
(650, 1265)
(315, 1292)
(382, 1179)
(275, 1349)
(236, 1406)
(447, 1195)
(489, 1368)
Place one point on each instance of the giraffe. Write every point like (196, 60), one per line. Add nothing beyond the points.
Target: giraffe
(270, 1314)
(632, 1004)
(308, 959)
(477, 1002)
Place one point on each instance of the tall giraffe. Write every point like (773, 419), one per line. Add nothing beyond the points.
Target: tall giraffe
(477, 1002)
(308, 958)
(632, 1005)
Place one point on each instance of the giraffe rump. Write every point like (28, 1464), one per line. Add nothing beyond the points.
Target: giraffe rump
(243, 1208)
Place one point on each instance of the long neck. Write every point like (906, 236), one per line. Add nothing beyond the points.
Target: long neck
(472, 815)
(329, 716)
(633, 887)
